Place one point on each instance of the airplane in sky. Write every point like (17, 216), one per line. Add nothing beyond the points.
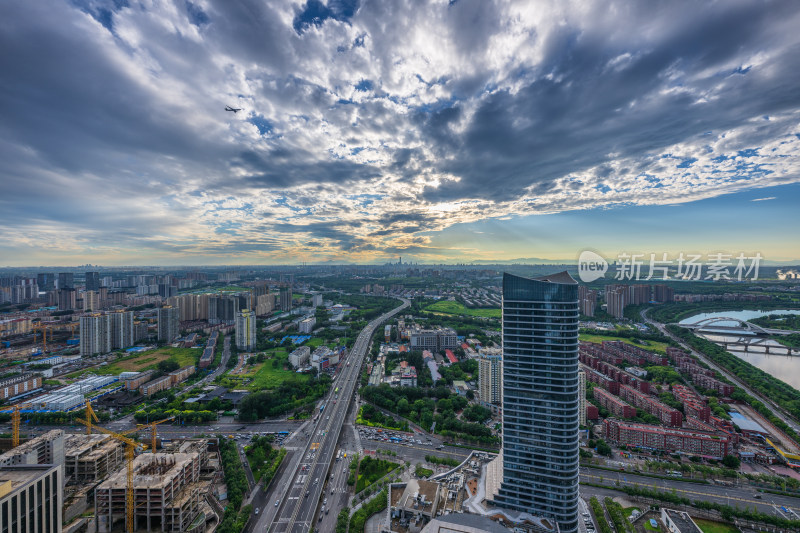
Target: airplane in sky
(234, 109)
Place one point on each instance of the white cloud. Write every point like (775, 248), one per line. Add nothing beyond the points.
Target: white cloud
(116, 142)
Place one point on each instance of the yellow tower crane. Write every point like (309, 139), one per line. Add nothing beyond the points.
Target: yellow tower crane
(43, 328)
(15, 420)
(89, 417)
(130, 452)
(153, 431)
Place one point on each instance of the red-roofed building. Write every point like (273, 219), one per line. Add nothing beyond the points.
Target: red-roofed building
(451, 356)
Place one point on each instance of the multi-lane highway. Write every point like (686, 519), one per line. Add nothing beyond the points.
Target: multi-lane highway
(299, 500)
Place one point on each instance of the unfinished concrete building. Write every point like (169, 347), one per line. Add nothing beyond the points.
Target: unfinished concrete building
(91, 458)
(166, 494)
(46, 449)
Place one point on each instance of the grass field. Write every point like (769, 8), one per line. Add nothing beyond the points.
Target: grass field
(316, 342)
(457, 308)
(144, 361)
(653, 346)
(715, 527)
(646, 523)
(264, 376)
(628, 511)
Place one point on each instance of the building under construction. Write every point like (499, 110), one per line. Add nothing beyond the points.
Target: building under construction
(46, 449)
(91, 458)
(166, 494)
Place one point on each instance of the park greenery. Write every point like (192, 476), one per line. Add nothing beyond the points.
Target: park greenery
(617, 514)
(421, 472)
(264, 459)
(371, 470)
(375, 505)
(233, 521)
(342, 520)
(779, 392)
(599, 516)
(459, 309)
(466, 370)
(368, 415)
(655, 342)
(429, 405)
(447, 461)
(291, 395)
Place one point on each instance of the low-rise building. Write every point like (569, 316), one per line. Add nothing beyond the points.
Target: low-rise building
(19, 384)
(433, 339)
(688, 441)
(134, 380)
(307, 325)
(157, 385)
(180, 375)
(679, 521)
(300, 356)
(415, 502)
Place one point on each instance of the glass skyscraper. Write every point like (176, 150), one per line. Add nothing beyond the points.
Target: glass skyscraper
(540, 398)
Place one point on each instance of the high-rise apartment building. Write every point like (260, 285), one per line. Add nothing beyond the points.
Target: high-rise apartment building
(31, 497)
(246, 330)
(167, 290)
(122, 332)
(587, 299)
(67, 299)
(66, 280)
(616, 299)
(581, 397)
(316, 300)
(490, 376)
(540, 398)
(286, 299)
(93, 281)
(91, 301)
(95, 331)
(46, 281)
(663, 293)
(101, 333)
(222, 309)
(192, 306)
(168, 323)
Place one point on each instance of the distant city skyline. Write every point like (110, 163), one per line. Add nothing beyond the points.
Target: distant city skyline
(460, 131)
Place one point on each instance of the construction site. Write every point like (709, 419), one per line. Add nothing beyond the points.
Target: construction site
(166, 494)
(171, 490)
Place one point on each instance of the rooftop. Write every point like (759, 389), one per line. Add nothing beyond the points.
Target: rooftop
(463, 523)
(12, 477)
(682, 521)
(168, 464)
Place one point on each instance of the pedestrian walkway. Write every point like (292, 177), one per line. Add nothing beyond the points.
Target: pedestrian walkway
(375, 523)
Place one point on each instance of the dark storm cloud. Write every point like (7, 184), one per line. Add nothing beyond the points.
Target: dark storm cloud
(586, 111)
(112, 123)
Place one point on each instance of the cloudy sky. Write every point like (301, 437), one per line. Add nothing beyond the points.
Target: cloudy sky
(439, 131)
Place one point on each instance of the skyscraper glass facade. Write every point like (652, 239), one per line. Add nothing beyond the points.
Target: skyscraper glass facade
(540, 398)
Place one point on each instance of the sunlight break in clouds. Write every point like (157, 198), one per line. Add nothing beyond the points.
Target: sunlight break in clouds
(366, 130)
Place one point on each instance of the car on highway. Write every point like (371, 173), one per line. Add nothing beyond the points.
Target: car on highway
(256, 510)
(277, 502)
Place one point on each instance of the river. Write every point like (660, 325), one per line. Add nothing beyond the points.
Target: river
(783, 367)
